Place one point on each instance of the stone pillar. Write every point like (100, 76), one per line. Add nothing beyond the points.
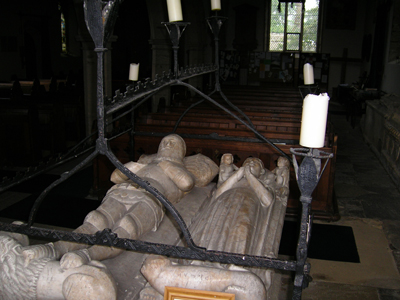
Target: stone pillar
(108, 91)
(90, 78)
(196, 56)
(162, 56)
(89, 81)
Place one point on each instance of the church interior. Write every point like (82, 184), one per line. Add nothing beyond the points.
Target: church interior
(49, 94)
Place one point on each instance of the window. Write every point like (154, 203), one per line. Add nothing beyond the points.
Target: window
(293, 26)
(63, 31)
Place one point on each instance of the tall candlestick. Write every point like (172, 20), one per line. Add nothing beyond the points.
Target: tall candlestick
(215, 4)
(308, 73)
(134, 72)
(313, 120)
(174, 10)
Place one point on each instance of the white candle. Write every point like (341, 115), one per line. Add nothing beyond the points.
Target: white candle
(308, 73)
(174, 10)
(313, 120)
(215, 4)
(134, 72)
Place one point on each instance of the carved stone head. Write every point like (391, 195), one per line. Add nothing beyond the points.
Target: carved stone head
(227, 159)
(172, 147)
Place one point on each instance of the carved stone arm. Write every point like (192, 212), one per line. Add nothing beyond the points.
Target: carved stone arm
(118, 177)
(265, 196)
(183, 179)
(230, 182)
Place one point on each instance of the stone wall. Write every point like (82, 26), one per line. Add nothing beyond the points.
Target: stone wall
(381, 129)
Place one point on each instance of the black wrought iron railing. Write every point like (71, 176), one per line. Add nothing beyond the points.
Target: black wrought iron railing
(100, 17)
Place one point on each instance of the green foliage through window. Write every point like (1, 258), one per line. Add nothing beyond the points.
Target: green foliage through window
(294, 27)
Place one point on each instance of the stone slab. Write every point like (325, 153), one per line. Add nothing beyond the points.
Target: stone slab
(383, 207)
(333, 291)
(377, 267)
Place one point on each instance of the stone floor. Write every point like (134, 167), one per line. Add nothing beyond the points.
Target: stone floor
(370, 203)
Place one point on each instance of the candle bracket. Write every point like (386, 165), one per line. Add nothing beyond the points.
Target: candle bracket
(308, 89)
(215, 24)
(308, 175)
(175, 31)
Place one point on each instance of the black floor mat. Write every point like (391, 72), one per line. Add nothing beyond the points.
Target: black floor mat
(328, 242)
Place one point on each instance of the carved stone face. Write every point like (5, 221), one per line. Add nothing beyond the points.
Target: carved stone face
(227, 159)
(256, 167)
(282, 162)
(172, 146)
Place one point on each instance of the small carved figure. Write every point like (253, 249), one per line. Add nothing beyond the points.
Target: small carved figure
(282, 173)
(226, 168)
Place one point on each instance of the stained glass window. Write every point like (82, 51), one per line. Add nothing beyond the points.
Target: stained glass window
(293, 26)
(63, 31)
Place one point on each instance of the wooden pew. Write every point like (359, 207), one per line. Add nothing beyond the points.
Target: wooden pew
(254, 100)
(249, 111)
(261, 97)
(218, 121)
(235, 132)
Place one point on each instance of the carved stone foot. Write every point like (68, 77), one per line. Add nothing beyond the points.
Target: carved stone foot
(149, 293)
(90, 282)
(161, 272)
(75, 259)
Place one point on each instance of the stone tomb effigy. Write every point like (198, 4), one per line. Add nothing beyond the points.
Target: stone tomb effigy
(243, 213)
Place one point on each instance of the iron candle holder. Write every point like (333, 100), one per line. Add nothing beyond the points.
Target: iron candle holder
(215, 24)
(309, 89)
(175, 31)
(308, 175)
